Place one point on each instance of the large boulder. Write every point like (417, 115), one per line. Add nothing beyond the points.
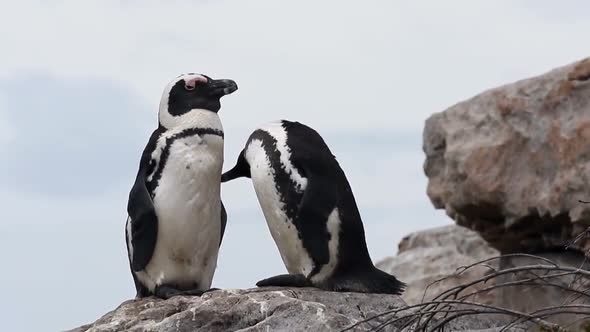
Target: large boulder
(513, 162)
(425, 257)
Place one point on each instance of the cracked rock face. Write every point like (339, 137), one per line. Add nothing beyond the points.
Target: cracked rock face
(512, 162)
(268, 309)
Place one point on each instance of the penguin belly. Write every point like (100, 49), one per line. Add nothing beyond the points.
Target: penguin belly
(188, 206)
(295, 257)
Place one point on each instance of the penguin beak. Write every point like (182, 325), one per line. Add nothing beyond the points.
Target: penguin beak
(222, 87)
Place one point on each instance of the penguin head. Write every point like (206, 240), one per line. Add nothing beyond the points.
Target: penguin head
(192, 92)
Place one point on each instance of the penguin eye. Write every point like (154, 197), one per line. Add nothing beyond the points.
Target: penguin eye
(191, 84)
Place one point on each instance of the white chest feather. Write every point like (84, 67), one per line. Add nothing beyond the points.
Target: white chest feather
(188, 206)
(282, 229)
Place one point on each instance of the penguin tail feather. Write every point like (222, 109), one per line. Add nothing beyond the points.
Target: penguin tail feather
(382, 282)
(369, 281)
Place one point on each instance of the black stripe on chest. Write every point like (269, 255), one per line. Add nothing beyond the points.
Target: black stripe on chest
(159, 166)
(289, 194)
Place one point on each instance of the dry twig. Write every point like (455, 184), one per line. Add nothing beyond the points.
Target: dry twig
(455, 302)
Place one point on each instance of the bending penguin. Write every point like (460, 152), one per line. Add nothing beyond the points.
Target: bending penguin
(310, 210)
(176, 218)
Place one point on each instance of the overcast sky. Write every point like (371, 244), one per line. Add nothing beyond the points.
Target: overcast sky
(80, 83)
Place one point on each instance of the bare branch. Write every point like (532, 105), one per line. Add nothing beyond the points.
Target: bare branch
(459, 301)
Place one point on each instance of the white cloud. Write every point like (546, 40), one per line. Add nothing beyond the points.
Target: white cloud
(386, 64)
(7, 132)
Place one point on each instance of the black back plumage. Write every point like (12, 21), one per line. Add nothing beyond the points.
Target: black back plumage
(327, 188)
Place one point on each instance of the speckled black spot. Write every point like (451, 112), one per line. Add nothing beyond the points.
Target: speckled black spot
(288, 190)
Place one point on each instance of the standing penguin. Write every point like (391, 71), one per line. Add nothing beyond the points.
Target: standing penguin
(176, 218)
(310, 211)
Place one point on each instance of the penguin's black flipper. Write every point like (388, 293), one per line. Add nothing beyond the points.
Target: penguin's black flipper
(242, 168)
(223, 222)
(144, 224)
(142, 213)
(285, 280)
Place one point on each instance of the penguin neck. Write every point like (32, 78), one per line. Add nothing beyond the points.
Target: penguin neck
(195, 118)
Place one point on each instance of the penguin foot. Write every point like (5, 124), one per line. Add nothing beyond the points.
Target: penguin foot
(193, 292)
(165, 292)
(285, 280)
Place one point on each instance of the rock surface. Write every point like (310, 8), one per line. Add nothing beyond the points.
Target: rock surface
(275, 309)
(512, 162)
(427, 256)
(265, 309)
